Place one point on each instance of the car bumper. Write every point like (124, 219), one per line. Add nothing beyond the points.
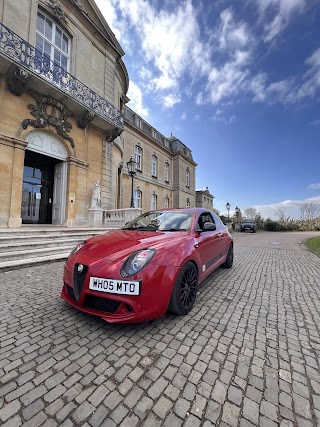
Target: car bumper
(152, 302)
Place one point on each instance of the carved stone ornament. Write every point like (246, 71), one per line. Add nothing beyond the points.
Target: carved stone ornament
(18, 82)
(58, 10)
(80, 6)
(49, 112)
(85, 119)
(113, 134)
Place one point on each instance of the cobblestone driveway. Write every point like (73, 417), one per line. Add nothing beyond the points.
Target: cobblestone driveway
(248, 354)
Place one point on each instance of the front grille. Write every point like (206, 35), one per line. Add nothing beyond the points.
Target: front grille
(101, 304)
(78, 280)
(70, 291)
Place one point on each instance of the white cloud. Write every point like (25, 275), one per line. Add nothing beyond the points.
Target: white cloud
(289, 206)
(276, 15)
(183, 116)
(136, 102)
(170, 100)
(167, 45)
(315, 186)
(232, 34)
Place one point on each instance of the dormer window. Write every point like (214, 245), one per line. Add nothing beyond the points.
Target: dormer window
(139, 122)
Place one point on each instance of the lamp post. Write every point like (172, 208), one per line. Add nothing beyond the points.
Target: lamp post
(132, 169)
(237, 211)
(228, 209)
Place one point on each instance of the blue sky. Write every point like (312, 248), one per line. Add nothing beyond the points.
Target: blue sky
(236, 81)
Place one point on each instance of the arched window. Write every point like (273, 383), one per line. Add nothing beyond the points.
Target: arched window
(52, 44)
(153, 204)
(187, 177)
(154, 161)
(138, 157)
(137, 199)
(188, 203)
(166, 172)
(166, 202)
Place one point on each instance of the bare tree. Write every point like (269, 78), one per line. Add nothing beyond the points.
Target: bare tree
(309, 210)
(250, 213)
(281, 214)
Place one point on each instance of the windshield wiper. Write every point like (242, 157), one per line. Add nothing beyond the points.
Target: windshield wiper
(173, 229)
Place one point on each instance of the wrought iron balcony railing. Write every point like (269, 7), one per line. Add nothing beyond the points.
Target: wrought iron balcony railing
(27, 56)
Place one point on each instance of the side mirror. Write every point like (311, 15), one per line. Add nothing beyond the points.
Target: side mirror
(209, 226)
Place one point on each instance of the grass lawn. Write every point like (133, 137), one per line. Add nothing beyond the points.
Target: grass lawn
(313, 245)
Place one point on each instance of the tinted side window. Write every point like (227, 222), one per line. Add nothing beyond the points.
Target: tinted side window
(216, 219)
(204, 217)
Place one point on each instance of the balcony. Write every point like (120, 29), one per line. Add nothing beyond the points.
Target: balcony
(50, 79)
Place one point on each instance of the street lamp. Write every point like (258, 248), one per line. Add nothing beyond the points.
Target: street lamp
(228, 209)
(132, 169)
(237, 211)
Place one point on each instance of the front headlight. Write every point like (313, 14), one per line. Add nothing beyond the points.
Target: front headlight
(136, 262)
(74, 250)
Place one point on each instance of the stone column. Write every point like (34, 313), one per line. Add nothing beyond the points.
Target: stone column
(76, 183)
(15, 220)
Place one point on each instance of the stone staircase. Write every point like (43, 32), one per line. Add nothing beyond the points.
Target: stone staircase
(34, 244)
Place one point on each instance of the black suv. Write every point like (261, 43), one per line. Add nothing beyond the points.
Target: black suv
(248, 224)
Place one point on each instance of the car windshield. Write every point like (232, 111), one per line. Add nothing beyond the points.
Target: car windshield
(248, 221)
(175, 220)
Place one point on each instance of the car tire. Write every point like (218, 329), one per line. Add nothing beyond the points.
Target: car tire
(229, 260)
(185, 290)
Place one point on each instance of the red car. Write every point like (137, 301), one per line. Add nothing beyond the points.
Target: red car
(154, 263)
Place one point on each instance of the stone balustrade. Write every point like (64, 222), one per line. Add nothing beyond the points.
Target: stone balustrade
(117, 218)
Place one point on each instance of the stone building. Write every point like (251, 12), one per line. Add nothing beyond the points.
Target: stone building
(65, 128)
(204, 199)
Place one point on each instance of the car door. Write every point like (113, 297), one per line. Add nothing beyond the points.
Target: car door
(210, 244)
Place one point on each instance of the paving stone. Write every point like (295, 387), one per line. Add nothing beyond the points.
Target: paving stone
(99, 415)
(219, 392)
(251, 410)
(213, 411)
(181, 407)
(9, 410)
(230, 414)
(143, 407)
(235, 395)
(162, 407)
(269, 410)
(301, 406)
(33, 409)
(83, 412)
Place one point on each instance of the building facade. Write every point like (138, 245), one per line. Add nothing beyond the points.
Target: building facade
(64, 126)
(204, 199)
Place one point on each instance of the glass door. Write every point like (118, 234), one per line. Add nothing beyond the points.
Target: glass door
(37, 189)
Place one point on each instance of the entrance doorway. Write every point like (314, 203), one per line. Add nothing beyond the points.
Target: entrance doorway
(44, 180)
(37, 189)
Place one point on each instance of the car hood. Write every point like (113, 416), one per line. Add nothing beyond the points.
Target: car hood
(118, 244)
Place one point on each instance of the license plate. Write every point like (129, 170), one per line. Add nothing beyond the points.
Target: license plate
(111, 286)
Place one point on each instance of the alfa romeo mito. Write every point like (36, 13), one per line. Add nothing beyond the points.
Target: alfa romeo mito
(155, 263)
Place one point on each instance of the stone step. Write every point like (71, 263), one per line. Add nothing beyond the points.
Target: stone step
(45, 237)
(28, 246)
(14, 264)
(37, 244)
(34, 253)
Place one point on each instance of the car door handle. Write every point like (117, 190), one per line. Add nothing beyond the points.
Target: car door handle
(220, 234)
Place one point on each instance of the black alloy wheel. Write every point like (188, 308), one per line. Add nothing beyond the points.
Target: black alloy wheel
(185, 290)
(229, 260)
